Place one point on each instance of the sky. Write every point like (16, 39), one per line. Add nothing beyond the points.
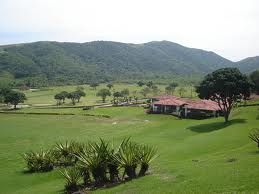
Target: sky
(228, 27)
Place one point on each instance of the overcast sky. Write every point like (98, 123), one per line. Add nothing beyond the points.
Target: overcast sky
(227, 27)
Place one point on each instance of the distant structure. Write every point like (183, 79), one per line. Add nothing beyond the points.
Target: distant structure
(183, 107)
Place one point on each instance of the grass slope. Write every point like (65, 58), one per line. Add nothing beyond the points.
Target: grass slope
(194, 155)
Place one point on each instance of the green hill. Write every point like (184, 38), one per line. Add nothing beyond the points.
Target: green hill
(103, 61)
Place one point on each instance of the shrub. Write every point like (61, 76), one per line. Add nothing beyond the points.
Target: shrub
(41, 161)
(127, 158)
(146, 155)
(254, 135)
(72, 177)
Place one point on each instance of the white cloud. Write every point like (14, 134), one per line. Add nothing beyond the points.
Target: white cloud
(229, 28)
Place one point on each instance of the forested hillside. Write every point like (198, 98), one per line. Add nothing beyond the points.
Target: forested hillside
(102, 61)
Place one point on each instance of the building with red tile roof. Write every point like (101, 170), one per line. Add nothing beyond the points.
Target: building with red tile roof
(184, 107)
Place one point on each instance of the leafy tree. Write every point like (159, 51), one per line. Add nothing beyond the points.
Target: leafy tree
(254, 76)
(94, 85)
(181, 91)
(59, 98)
(103, 93)
(140, 83)
(145, 91)
(254, 135)
(125, 94)
(116, 96)
(79, 94)
(73, 96)
(225, 86)
(14, 98)
(155, 89)
(63, 95)
(109, 86)
(149, 84)
(171, 88)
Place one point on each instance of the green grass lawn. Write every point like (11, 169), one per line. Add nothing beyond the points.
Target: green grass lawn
(194, 157)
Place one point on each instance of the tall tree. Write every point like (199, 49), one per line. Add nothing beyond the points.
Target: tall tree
(225, 86)
(14, 98)
(254, 76)
(103, 93)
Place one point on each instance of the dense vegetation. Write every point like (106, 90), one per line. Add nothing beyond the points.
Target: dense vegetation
(52, 63)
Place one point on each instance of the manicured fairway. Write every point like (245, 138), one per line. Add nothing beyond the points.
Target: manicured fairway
(196, 156)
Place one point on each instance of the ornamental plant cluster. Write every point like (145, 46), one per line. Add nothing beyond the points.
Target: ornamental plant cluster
(93, 164)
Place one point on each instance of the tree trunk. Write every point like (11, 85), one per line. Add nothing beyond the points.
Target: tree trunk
(226, 116)
(14, 106)
(103, 100)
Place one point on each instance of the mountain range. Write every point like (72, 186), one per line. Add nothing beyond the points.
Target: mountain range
(103, 61)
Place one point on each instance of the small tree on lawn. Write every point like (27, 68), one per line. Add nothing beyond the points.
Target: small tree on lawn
(225, 86)
(73, 96)
(181, 91)
(171, 88)
(103, 93)
(63, 95)
(125, 94)
(145, 91)
(140, 83)
(150, 84)
(109, 86)
(79, 94)
(14, 98)
(94, 85)
(116, 96)
(58, 97)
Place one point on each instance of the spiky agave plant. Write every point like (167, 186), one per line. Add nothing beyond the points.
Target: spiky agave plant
(146, 155)
(113, 164)
(41, 161)
(72, 177)
(127, 157)
(95, 159)
(254, 135)
(64, 153)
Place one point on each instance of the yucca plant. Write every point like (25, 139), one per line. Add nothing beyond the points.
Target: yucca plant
(113, 164)
(127, 157)
(95, 159)
(64, 153)
(254, 135)
(41, 161)
(72, 177)
(146, 155)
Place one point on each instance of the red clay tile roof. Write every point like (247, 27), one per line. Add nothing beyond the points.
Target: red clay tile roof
(172, 102)
(191, 104)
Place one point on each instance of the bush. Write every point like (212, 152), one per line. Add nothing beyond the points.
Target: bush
(72, 177)
(254, 135)
(41, 161)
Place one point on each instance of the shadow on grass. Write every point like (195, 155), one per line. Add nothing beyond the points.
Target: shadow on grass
(208, 127)
(255, 152)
